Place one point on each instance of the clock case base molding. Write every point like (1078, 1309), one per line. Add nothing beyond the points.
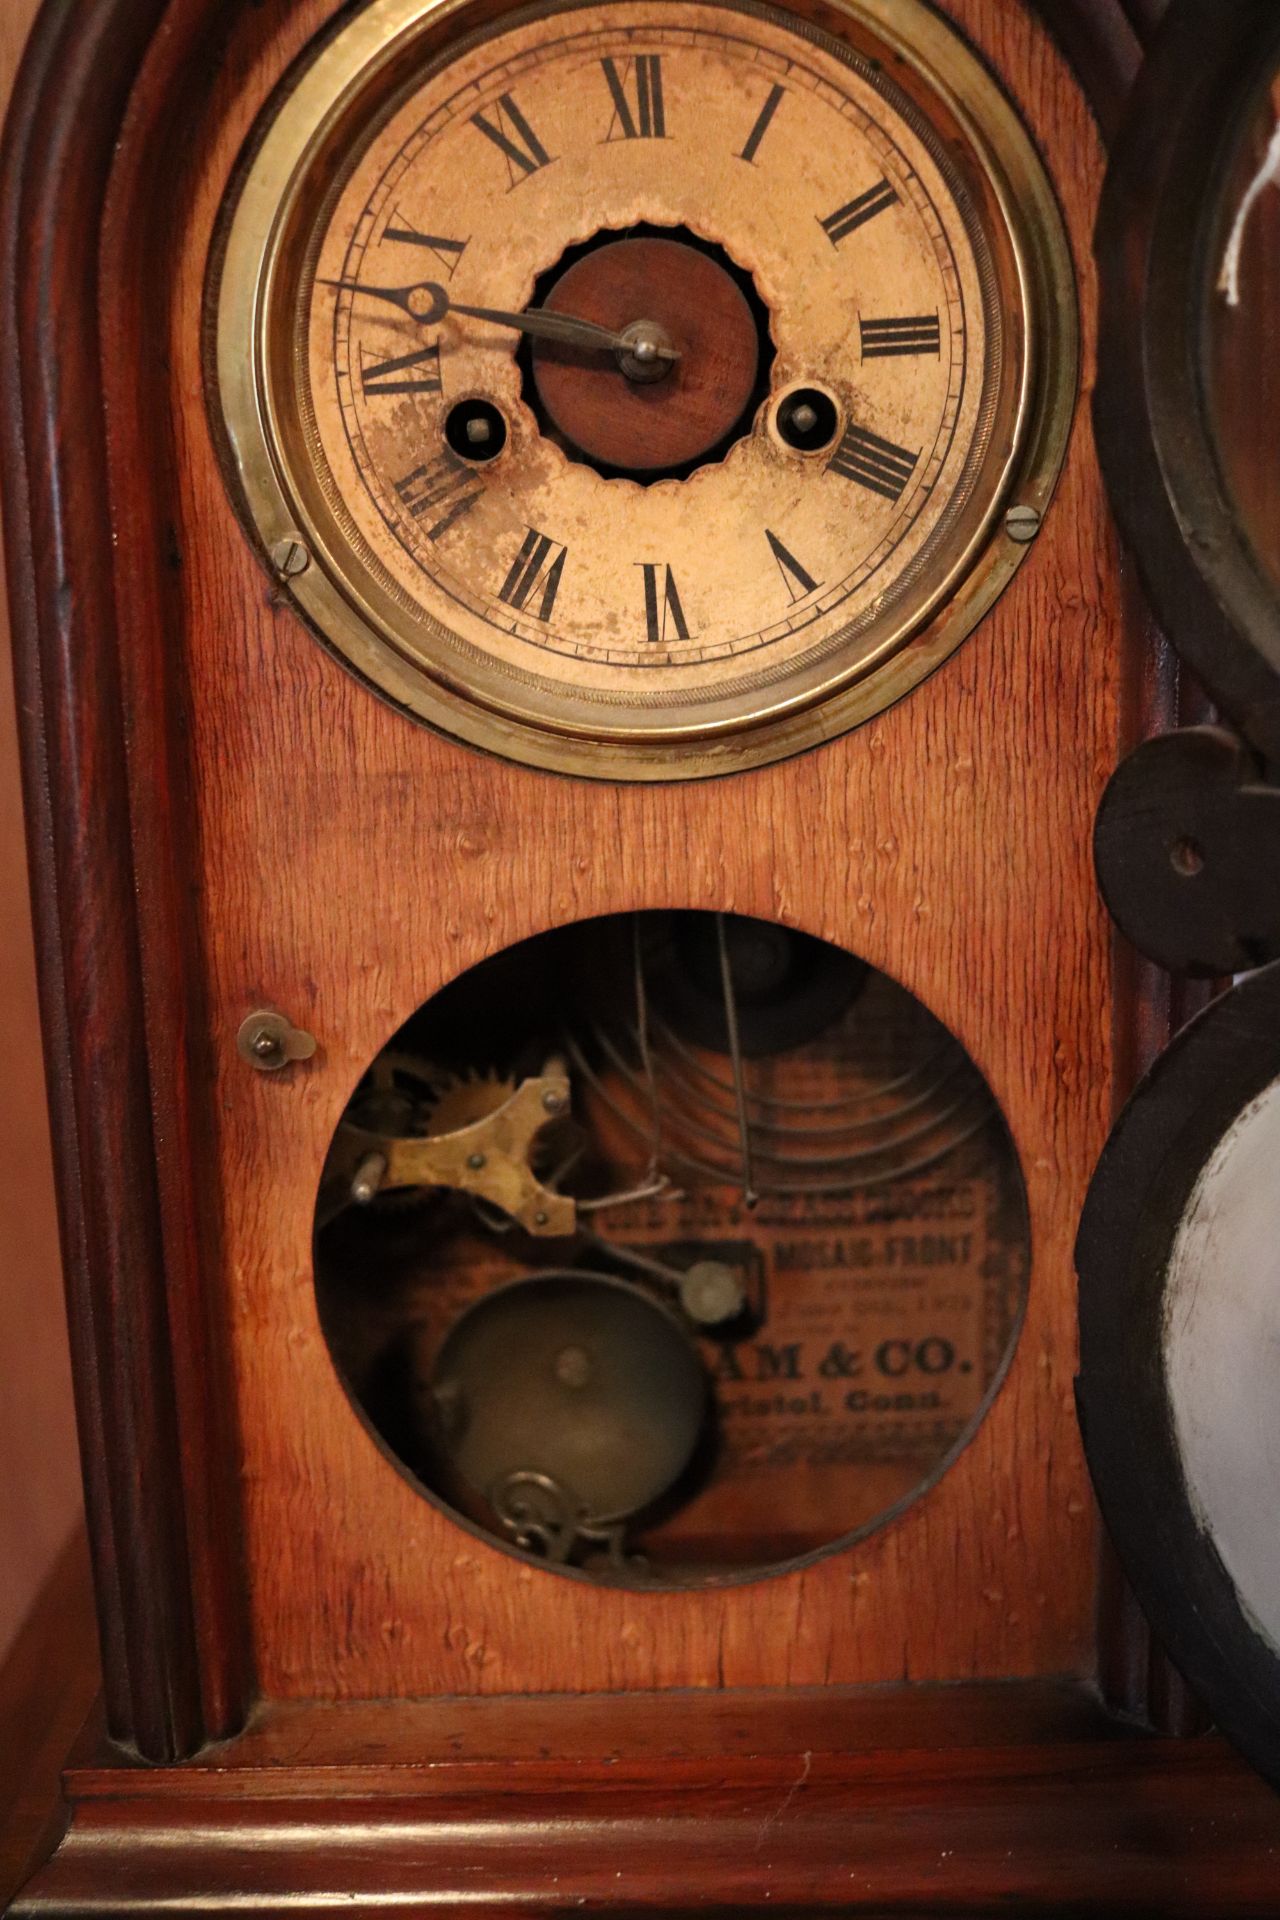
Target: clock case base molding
(916, 1800)
(956, 1800)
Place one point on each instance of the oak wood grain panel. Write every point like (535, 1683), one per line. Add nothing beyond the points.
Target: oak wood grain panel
(350, 863)
(1103, 42)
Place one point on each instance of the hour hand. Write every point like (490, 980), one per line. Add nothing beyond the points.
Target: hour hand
(568, 330)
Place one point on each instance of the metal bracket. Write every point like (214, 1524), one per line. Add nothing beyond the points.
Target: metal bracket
(488, 1159)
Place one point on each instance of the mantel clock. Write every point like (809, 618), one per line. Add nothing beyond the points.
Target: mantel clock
(571, 639)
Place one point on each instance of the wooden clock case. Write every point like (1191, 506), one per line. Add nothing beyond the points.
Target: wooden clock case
(316, 1687)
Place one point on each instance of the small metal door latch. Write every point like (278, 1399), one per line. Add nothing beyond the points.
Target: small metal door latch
(268, 1041)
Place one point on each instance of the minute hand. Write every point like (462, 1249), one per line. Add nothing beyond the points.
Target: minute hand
(427, 303)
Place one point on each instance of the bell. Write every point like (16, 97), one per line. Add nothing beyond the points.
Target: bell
(569, 1401)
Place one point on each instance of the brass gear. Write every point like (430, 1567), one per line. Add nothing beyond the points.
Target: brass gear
(462, 1099)
(407, 1097)
(397, 1094)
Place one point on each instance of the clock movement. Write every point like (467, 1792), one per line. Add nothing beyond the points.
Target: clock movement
(571, 638)
(672, 1246)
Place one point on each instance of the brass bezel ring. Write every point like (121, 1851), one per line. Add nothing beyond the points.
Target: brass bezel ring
(361, 62)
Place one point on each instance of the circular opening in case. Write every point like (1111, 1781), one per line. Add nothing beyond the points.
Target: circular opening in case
(672, 1247)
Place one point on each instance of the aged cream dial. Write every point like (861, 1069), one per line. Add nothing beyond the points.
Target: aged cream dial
(639, 388)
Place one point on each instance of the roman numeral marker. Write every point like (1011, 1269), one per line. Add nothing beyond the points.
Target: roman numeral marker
(440, 483)
(645, 75)
(659, 608)
(888, 339)
(795, 578)
(855, 213)
(515, 140)
(530, 570)
(447, 252)
(873, 463)
(761, 126)
(397, 376)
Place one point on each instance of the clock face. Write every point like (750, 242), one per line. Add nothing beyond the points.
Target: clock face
(639, 387)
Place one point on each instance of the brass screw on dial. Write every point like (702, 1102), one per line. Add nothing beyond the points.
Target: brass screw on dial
(1022, 524)
(290, 557)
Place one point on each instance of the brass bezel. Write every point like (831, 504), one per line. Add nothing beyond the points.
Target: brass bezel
(361, 62)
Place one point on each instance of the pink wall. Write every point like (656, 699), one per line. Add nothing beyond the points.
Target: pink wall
(40, 1486)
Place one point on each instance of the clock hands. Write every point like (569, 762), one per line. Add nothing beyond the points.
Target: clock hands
(426, 302)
